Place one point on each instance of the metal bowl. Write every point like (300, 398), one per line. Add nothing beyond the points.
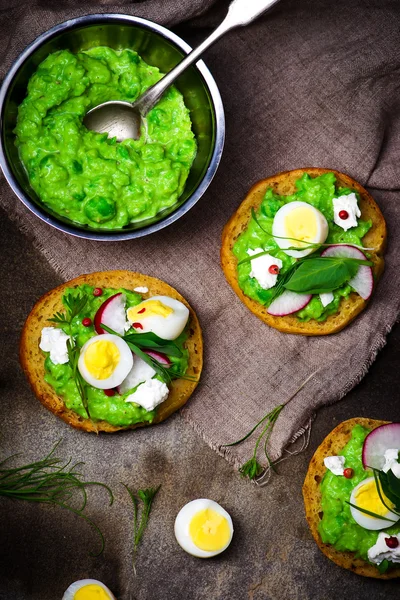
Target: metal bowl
(157, 46)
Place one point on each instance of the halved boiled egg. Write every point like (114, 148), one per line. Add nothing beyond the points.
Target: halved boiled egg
(303, 224)
(365, 495)
(162, 315)
(203, 528)
(105, 360)
(88, 589)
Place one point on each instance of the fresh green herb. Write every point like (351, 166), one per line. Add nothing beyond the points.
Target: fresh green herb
(384, 566)
(252, 468)
(388, 485)
(310, 244)
(151, 341)
(311, 275)
(74, 305)
(323, 274)
(279, 287)
(73, 358)
(164, 373)
(146, 497)
(50, 481)
(370, 513)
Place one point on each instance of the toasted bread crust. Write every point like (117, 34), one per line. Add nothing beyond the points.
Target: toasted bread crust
(333, 444)
(284, 184)
(32, 361)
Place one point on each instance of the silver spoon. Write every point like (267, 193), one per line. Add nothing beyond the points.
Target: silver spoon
(124, 120)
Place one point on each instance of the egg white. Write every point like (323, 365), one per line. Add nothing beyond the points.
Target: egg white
(121, 370)
(169, 327)
(182, 523)
(69, 593)
(371, 523)
(279, 229)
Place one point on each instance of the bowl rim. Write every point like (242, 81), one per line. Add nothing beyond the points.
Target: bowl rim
(213, 162)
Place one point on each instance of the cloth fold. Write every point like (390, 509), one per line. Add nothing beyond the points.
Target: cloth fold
(305, 85)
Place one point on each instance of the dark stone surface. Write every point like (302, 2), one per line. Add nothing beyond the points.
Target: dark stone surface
(44, 549)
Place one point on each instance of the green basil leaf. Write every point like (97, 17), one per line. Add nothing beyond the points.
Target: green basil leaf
(148, 340)
(153, 342)
(318, 275)
(394, 486)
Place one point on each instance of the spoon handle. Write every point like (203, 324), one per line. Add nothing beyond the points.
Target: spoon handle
(240, 12)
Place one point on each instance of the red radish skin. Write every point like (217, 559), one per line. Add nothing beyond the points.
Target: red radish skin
(112, 314)
(288, 303)
(159, 357)
(385, 437)
(363, 281)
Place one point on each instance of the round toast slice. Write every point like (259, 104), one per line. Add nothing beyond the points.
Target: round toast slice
(284, 185)
(32, 359)
(332, 445)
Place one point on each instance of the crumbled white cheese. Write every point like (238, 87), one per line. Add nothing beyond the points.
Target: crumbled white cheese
(260, 268)
(326, 298)
(381, 551)
(349, 204)
(335, 464)
(149, 394)
(392, 462)
(139, 373)
(141, 290)
(54, 340)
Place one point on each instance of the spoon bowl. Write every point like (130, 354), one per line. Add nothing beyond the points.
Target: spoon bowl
(117, 118)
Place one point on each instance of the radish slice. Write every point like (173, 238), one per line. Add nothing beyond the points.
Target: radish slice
(288, 303)
(112, 314)
(376, 443)
(363, 281)
(345, 250)
(159, 357)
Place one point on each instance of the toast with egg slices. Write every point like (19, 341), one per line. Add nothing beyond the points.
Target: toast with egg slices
(333, 444)
(284, 185)
(32, 359)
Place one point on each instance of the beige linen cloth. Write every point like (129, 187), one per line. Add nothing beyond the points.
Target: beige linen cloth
(310, 84)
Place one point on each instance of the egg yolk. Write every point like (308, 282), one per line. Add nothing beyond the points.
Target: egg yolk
(209, 530)
(101, 359)
(91, 592)
(301, 224)
(151, 308)
(368, 498)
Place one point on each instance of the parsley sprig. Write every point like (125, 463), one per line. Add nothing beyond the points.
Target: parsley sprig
(74, 305)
